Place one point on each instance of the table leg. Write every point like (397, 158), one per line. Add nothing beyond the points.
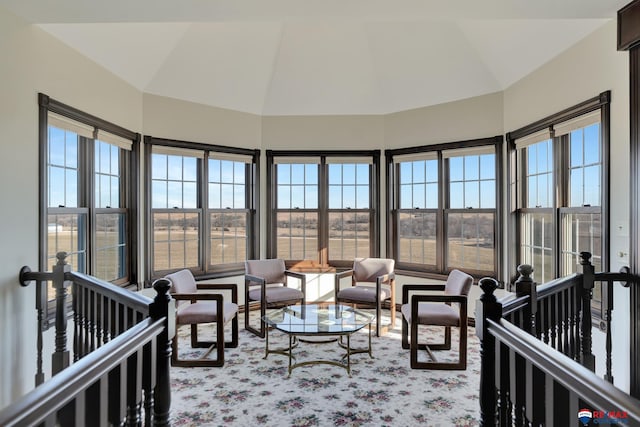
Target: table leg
(290, 351)
(349, 355)
(266, 343)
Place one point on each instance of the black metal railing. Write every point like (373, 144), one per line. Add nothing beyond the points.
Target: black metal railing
(527, 335)
(121, 355)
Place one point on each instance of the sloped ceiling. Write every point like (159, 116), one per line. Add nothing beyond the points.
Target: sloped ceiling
(308, 57)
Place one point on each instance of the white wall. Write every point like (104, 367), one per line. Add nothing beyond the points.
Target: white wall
(33, 62)
(590, 67)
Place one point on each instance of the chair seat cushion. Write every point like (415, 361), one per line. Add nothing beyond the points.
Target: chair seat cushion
(363, 293)
(205, 312)
(433, 314)
(276, 294)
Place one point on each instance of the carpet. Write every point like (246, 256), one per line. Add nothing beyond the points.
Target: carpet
(384, 391)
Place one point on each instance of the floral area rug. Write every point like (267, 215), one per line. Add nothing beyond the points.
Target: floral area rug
(384, 391)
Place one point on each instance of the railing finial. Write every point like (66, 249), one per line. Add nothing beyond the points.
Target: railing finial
(585, 258)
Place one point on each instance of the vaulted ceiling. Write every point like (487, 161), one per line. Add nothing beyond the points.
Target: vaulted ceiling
(310, 57)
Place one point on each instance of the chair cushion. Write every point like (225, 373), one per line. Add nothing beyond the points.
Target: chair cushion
(276, 294)
(458, 283)
(363, 293)
(182, 282)
(438, 314)
(368, 269)
(271, 270)
(205, 312)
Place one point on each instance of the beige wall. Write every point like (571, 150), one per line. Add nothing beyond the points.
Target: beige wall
(478, 117)
(590, 67)
(35, 62)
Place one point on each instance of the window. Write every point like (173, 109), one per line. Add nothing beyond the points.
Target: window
(444, 207)
(203, 207)
(87, 194)
(323, 206)
(559, 208)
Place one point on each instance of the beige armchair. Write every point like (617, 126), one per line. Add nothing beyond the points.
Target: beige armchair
(266, 281)
(194, 308)
(437, 310)
(372, 283)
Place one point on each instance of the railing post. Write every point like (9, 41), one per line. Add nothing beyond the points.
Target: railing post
(588, 278)
(526, 286)
(488, 307)
(162, 394)
(60, 358)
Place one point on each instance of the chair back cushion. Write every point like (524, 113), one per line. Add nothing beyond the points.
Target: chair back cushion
(182, 282)
(458, 283)
(368, 269)
(272, 270)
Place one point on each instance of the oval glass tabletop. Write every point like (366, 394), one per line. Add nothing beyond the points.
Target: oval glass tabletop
(318, 320)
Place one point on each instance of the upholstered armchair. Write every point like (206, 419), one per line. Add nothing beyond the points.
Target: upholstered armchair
(372, 283)
(194, 308)
(266, 281)
(447, 309)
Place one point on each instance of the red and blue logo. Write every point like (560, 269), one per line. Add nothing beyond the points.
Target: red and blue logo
(585, 415)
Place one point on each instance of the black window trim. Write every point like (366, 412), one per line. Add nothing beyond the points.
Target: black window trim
(46, 105)
(600, 102)
(253, 208)
(392, 202)
(374, 183)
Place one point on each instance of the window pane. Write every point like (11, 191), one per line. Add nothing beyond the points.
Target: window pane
(362, 197)
(190, 195)
(583, 233)
(56, 187)
(348, 174)
(536, 247)
(111, 247)
(456, 169)
(419, 196)
(348, 235)
(67, 233)
(576, 188)
(311, 197)
(362, 174)
(432, 196)
(406, 196)
(228, 237)
(174, 168)
(576, 148)
(284, 197)
(214, 196)
(159, 193)
(417, 238)
(297, 174)
(406, 172)
(158, 166)
(419, 173)
(297, 234)
(487, 194)
(284, 174)
(592, 185)
(175, 240)
(471, 171)
(471, 194)
(487, 166)
(592, 144)
(456, 195)
(471, 241)
(335, 197)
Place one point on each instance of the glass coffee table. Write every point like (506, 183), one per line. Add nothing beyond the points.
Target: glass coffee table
(318, 325)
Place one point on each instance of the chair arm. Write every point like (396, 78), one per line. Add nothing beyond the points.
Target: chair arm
(198, 297)
(301, 276)
(386, 278)
(338, 277)
(221, 287)
(421, 287)
(250, 278)
(462, 299)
